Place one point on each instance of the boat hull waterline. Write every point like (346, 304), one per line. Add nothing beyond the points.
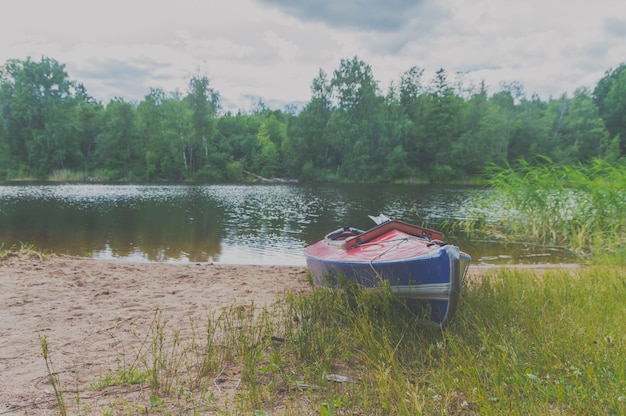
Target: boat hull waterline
(414, 261)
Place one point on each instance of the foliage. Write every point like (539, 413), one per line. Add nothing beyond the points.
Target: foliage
(36, 100)
(438, 129)
(609, 95)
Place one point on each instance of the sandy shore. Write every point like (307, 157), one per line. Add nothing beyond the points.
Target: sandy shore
(91, 312)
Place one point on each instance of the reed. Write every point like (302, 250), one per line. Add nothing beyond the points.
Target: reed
(580, 207)
(66, 175)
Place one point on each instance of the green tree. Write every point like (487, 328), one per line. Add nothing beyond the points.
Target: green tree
(88, 115)
(150, 120)
(40, 131)
(272, 144)
(115, 145)
(484, 127)
(442, 113)
(396, 127)
(610, 97)
(266, 160)
(178, 136)
(580, 133)
(309, 128)
(410, 91)
(237, 135)
(356, 126)
(204, 103)
(532, 129)
(413, 102)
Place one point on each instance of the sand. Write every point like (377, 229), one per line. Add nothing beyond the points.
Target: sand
(92, 312)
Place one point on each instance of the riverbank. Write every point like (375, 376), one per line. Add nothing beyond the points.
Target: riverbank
(94, 313)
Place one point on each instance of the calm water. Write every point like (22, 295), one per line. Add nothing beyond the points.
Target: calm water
(229, 224)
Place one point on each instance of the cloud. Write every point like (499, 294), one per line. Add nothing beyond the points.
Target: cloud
(370, 15)
(121, 78)
(273, 49)
(615, 26)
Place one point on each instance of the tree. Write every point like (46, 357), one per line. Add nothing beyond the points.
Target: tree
(356, 126)
(266, 160)
(441, 127)
(88, 114)
(580, 132)
(412, 100)
(310, 126)
(484, 126)
(178, 130)
(40, 128)
(273, 144)
(151, 134)
(610, 97)
(410, 91)
(531, 128)
(204, 104)
(115, 150)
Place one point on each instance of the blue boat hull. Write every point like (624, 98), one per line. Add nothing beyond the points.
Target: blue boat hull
(431, 282)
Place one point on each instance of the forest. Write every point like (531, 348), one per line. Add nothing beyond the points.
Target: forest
(419, 130)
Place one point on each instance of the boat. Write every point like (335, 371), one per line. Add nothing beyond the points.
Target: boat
(416, 263)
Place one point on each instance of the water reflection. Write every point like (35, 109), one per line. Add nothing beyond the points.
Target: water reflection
(239, 224)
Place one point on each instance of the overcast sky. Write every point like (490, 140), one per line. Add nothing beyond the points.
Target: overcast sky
(273, 49)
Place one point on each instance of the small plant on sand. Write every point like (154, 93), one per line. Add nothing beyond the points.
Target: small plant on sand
(123, 377)
(24, 250)
(53, 377)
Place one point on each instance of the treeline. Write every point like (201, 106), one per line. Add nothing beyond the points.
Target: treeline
(425, 130)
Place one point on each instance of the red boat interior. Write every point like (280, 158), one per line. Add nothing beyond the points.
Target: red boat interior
(387, 226)
(387, 241)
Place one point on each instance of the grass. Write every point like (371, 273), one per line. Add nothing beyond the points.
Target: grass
(24, 250)
(521, 344)
(53, 377)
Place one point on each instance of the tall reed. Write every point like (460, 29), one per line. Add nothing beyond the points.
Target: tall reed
(582, 207)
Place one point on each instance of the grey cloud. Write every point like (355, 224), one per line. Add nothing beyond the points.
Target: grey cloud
(480, 67)
(615, 26)
(130, 80)
(376, 15)
(113, 69)
(398, 23)
(591, 57)
(254, 100)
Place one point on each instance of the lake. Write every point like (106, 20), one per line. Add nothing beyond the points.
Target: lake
(228, 224)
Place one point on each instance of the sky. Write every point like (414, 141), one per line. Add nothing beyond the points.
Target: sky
(271, 50)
